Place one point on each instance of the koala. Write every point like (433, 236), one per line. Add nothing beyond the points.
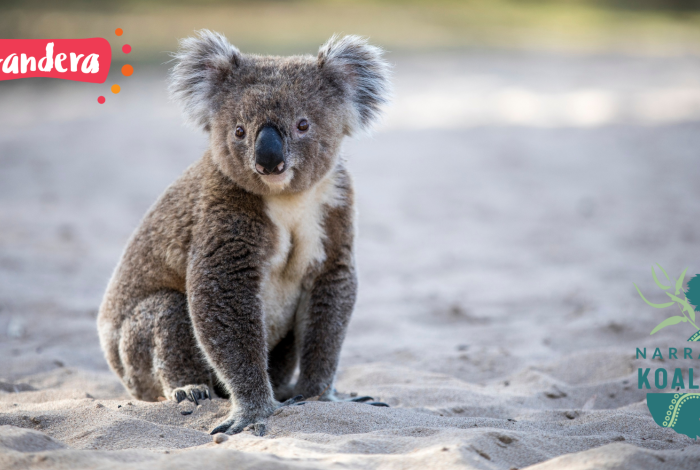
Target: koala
(242, 274)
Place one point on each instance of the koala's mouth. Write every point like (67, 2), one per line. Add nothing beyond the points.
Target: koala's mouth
(280, 179)
(278, 170)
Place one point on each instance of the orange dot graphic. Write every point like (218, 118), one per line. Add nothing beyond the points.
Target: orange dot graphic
(118, 31)
(127, 70)
(116, 89)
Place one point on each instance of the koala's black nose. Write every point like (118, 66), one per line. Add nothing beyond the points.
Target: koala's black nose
(269, 158)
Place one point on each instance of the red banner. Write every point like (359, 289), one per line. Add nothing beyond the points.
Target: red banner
(82, 60)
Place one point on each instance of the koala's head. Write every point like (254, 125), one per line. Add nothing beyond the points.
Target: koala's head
(276, 123)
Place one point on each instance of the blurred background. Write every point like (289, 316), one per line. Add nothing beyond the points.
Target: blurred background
(538, 158)
(282, 27)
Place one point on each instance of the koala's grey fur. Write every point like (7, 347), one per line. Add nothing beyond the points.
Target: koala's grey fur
(233, 279)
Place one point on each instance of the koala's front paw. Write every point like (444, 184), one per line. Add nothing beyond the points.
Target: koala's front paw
(193, 393)
(254, 421)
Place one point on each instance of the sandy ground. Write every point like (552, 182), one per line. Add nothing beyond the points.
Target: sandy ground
(497, 251)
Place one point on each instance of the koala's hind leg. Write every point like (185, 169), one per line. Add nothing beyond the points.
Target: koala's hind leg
(159, 353)
(281, 364)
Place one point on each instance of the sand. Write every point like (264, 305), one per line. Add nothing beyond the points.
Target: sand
(497, 314)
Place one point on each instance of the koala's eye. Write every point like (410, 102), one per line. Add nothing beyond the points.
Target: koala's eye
(303, 125)
(240, 132)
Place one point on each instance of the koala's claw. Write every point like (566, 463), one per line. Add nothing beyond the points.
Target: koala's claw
(258, 429)
(367, 401)
(179, 395)
(297, 400)
(256, 425)
(236, 425)
(193, 393)
(223, 427)
(360, 399)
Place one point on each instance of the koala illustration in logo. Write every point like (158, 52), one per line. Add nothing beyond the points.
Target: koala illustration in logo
(244, 270)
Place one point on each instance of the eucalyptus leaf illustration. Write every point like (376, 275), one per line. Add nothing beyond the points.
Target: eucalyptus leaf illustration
(684, 301)
(687, 308)
(656, 279)
(651, 303)
(668, 322)
(679, 281)
(664, 271)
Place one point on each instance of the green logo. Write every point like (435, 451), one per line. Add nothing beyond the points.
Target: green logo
(678, 411)
(687, 310)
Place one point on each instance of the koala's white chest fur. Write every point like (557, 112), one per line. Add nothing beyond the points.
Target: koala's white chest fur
(298, 219)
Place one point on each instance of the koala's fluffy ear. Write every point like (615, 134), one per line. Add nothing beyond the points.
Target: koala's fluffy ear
(364, 74)
(203, 64)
